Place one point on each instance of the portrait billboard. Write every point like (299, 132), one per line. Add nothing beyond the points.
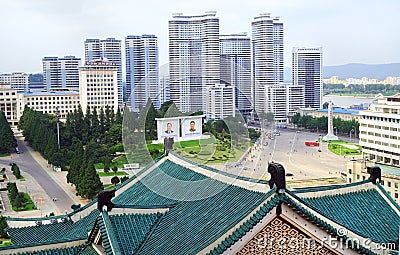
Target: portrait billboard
(168, 128)
(191, 127)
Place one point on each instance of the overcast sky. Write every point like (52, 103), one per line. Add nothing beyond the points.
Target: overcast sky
(350, 31)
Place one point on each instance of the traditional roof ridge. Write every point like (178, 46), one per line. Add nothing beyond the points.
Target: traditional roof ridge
(328, 187)
(389, 197)
(107, 233)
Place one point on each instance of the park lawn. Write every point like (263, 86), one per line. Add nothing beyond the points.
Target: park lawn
(5, 242)
(111, 173)
(338, 148)
(108, 186)
(4, 155)
(28, 206)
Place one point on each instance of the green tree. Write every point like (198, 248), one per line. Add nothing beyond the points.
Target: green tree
(18, 201)
(7, 139)
(12, 190)
(75, 166)
(124, 178)
(115, 170)
(90, 185)
(3, 226)
(115, 180)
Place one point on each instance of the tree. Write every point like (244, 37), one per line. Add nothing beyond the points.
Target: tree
(75, 166)
(7, 139)
(18, 200)
(115, 170)
(115, 180)
(90, 184)
(3, 226)
(12, 190)
(16, 171)
(124, 178)
(325, 105)
(106, 164)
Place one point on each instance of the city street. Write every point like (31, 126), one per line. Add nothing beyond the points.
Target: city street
(32, 163)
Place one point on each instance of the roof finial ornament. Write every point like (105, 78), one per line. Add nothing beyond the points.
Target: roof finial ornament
(277, 177)
(375, 174)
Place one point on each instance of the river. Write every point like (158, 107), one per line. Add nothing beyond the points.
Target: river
(346, 101)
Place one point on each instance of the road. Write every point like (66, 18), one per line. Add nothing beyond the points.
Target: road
(289, 149)
(28, 164)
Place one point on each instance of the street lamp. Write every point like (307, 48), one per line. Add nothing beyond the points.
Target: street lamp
(335, 128)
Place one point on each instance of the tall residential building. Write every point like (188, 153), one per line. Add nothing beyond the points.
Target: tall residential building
(61, 72)
(17, 80)
(98, 84)
(268, 69)
(109, 48)
(220, 101)
(379, 130)
(142, 75)
(164, 88)
(194, 59)
(283, 100)
(235, 68)
(307, 71)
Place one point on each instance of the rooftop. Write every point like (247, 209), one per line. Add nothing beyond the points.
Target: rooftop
(340, 110)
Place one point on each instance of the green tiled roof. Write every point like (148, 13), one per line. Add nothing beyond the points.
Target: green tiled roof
(364, 212)
(131, 229)
(52, 233)
(389, 169)
(62, 251)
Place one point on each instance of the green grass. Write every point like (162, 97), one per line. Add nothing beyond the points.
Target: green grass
(27, 206)
(5, 242)
(4, 155)
(111, 173)
(337, 148)
(108, 186)
(118, 162)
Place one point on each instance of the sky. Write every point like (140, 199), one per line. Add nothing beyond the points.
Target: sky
(350, 31)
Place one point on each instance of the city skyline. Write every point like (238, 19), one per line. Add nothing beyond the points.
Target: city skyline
(354, 38)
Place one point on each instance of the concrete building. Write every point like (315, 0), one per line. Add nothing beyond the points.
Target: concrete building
(357, 171)
(268, 65)
(61, 72)
(142, 76)
(9, 103)
(17, 80)
(283, 100)
(98, 84)
(338, 112)
(194, 59)
(220, 101)
(235, 68)
(307, 71)
(64, 101)
(379, 130)
(164, 87)
(109, 48)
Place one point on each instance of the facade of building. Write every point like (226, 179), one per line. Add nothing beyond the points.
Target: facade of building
(17, 80)
(268, 64)
(220, 101)
(337, 112)
(307, 71)
(283, 100)
(193, 58)
(61, 72)
(379, 130)
(61, 101)
(235, 68)
(110, 49)
(9, 103)
(98, 85)
(142, 76)
(164, 88)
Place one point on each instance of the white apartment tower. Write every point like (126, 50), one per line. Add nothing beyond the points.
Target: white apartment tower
(142, 75)
(235, 68)
(17, 80)
(98, 84)
(220, 101)
(307, 71)
(283, 100)
(61, 72)
(110, 49)
(380, 130)
(194, 59)
(268, 65)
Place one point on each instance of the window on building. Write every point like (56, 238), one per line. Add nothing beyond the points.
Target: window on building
(358, 177)
(396, 185)
(396, 195)
(389, 184)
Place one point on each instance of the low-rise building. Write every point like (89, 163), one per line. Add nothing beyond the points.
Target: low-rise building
(338, 112)
(9, 103)
(17, 80)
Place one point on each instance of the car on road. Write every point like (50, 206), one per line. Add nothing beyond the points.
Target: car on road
(289, 174)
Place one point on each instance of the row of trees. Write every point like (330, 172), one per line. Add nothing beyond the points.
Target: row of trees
(321, 123)
(7, 139)
(16, 198)
(85, 139)
(359, 88)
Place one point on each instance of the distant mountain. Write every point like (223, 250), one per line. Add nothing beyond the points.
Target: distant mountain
(378, 71)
